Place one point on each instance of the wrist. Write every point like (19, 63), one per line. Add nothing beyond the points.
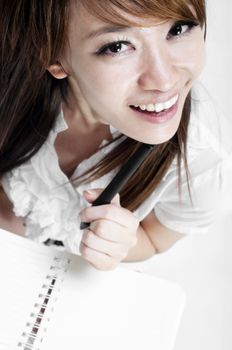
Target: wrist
(144, 248)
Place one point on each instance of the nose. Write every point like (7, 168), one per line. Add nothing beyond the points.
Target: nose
(159, 71)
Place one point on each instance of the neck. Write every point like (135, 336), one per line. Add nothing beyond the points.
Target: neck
(77, 111)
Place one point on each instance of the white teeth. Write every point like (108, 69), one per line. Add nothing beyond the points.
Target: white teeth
(150, 108)
(158, 107)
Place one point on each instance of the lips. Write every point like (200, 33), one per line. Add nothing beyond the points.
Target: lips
(156, 117)
(157, 107)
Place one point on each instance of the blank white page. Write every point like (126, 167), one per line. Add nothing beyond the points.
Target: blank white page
(87, 309)
(114, 310)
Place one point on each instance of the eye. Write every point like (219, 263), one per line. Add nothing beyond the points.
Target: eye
(180, 28)
(115, 48)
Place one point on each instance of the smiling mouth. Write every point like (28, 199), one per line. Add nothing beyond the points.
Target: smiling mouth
(159, 113)
(155, 108)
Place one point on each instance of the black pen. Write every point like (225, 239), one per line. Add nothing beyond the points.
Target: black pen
(121, 178)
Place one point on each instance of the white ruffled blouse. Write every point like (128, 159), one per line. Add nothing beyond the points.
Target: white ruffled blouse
(50, 204)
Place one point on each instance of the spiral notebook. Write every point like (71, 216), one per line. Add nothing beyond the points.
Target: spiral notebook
(54, 300)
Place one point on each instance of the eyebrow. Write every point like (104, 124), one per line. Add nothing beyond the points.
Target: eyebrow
(105, 30)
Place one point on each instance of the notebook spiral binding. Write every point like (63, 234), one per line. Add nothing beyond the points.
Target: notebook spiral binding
(35, 328)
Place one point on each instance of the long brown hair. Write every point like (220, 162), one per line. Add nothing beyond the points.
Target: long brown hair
(33, 34)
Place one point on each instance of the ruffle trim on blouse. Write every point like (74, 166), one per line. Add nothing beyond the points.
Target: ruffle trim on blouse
(44, 196)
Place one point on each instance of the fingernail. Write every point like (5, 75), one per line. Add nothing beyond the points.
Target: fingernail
(90, 192)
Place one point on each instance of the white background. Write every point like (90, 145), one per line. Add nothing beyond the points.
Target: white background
(218, 72)
(202, 264)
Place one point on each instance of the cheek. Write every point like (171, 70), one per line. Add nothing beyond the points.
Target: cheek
(191, 57)
(104, 83)
(198, 59)
(195, 57)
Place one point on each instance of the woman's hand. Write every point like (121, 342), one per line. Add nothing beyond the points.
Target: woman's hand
(111, 234)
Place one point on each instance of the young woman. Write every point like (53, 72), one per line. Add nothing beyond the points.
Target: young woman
(82, 84)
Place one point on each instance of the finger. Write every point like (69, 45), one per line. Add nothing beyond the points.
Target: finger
(113, 249)
(118, 215)
(99, 260)
(111, 232)
(91, 195)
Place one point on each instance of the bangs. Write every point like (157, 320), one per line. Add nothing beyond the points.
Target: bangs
(116, 11)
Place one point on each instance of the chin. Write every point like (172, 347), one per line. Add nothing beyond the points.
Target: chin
(156, 139)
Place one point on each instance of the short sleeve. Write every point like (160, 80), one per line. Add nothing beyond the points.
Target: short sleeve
(193, 209)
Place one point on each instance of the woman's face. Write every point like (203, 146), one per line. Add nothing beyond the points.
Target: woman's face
(134, 78)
